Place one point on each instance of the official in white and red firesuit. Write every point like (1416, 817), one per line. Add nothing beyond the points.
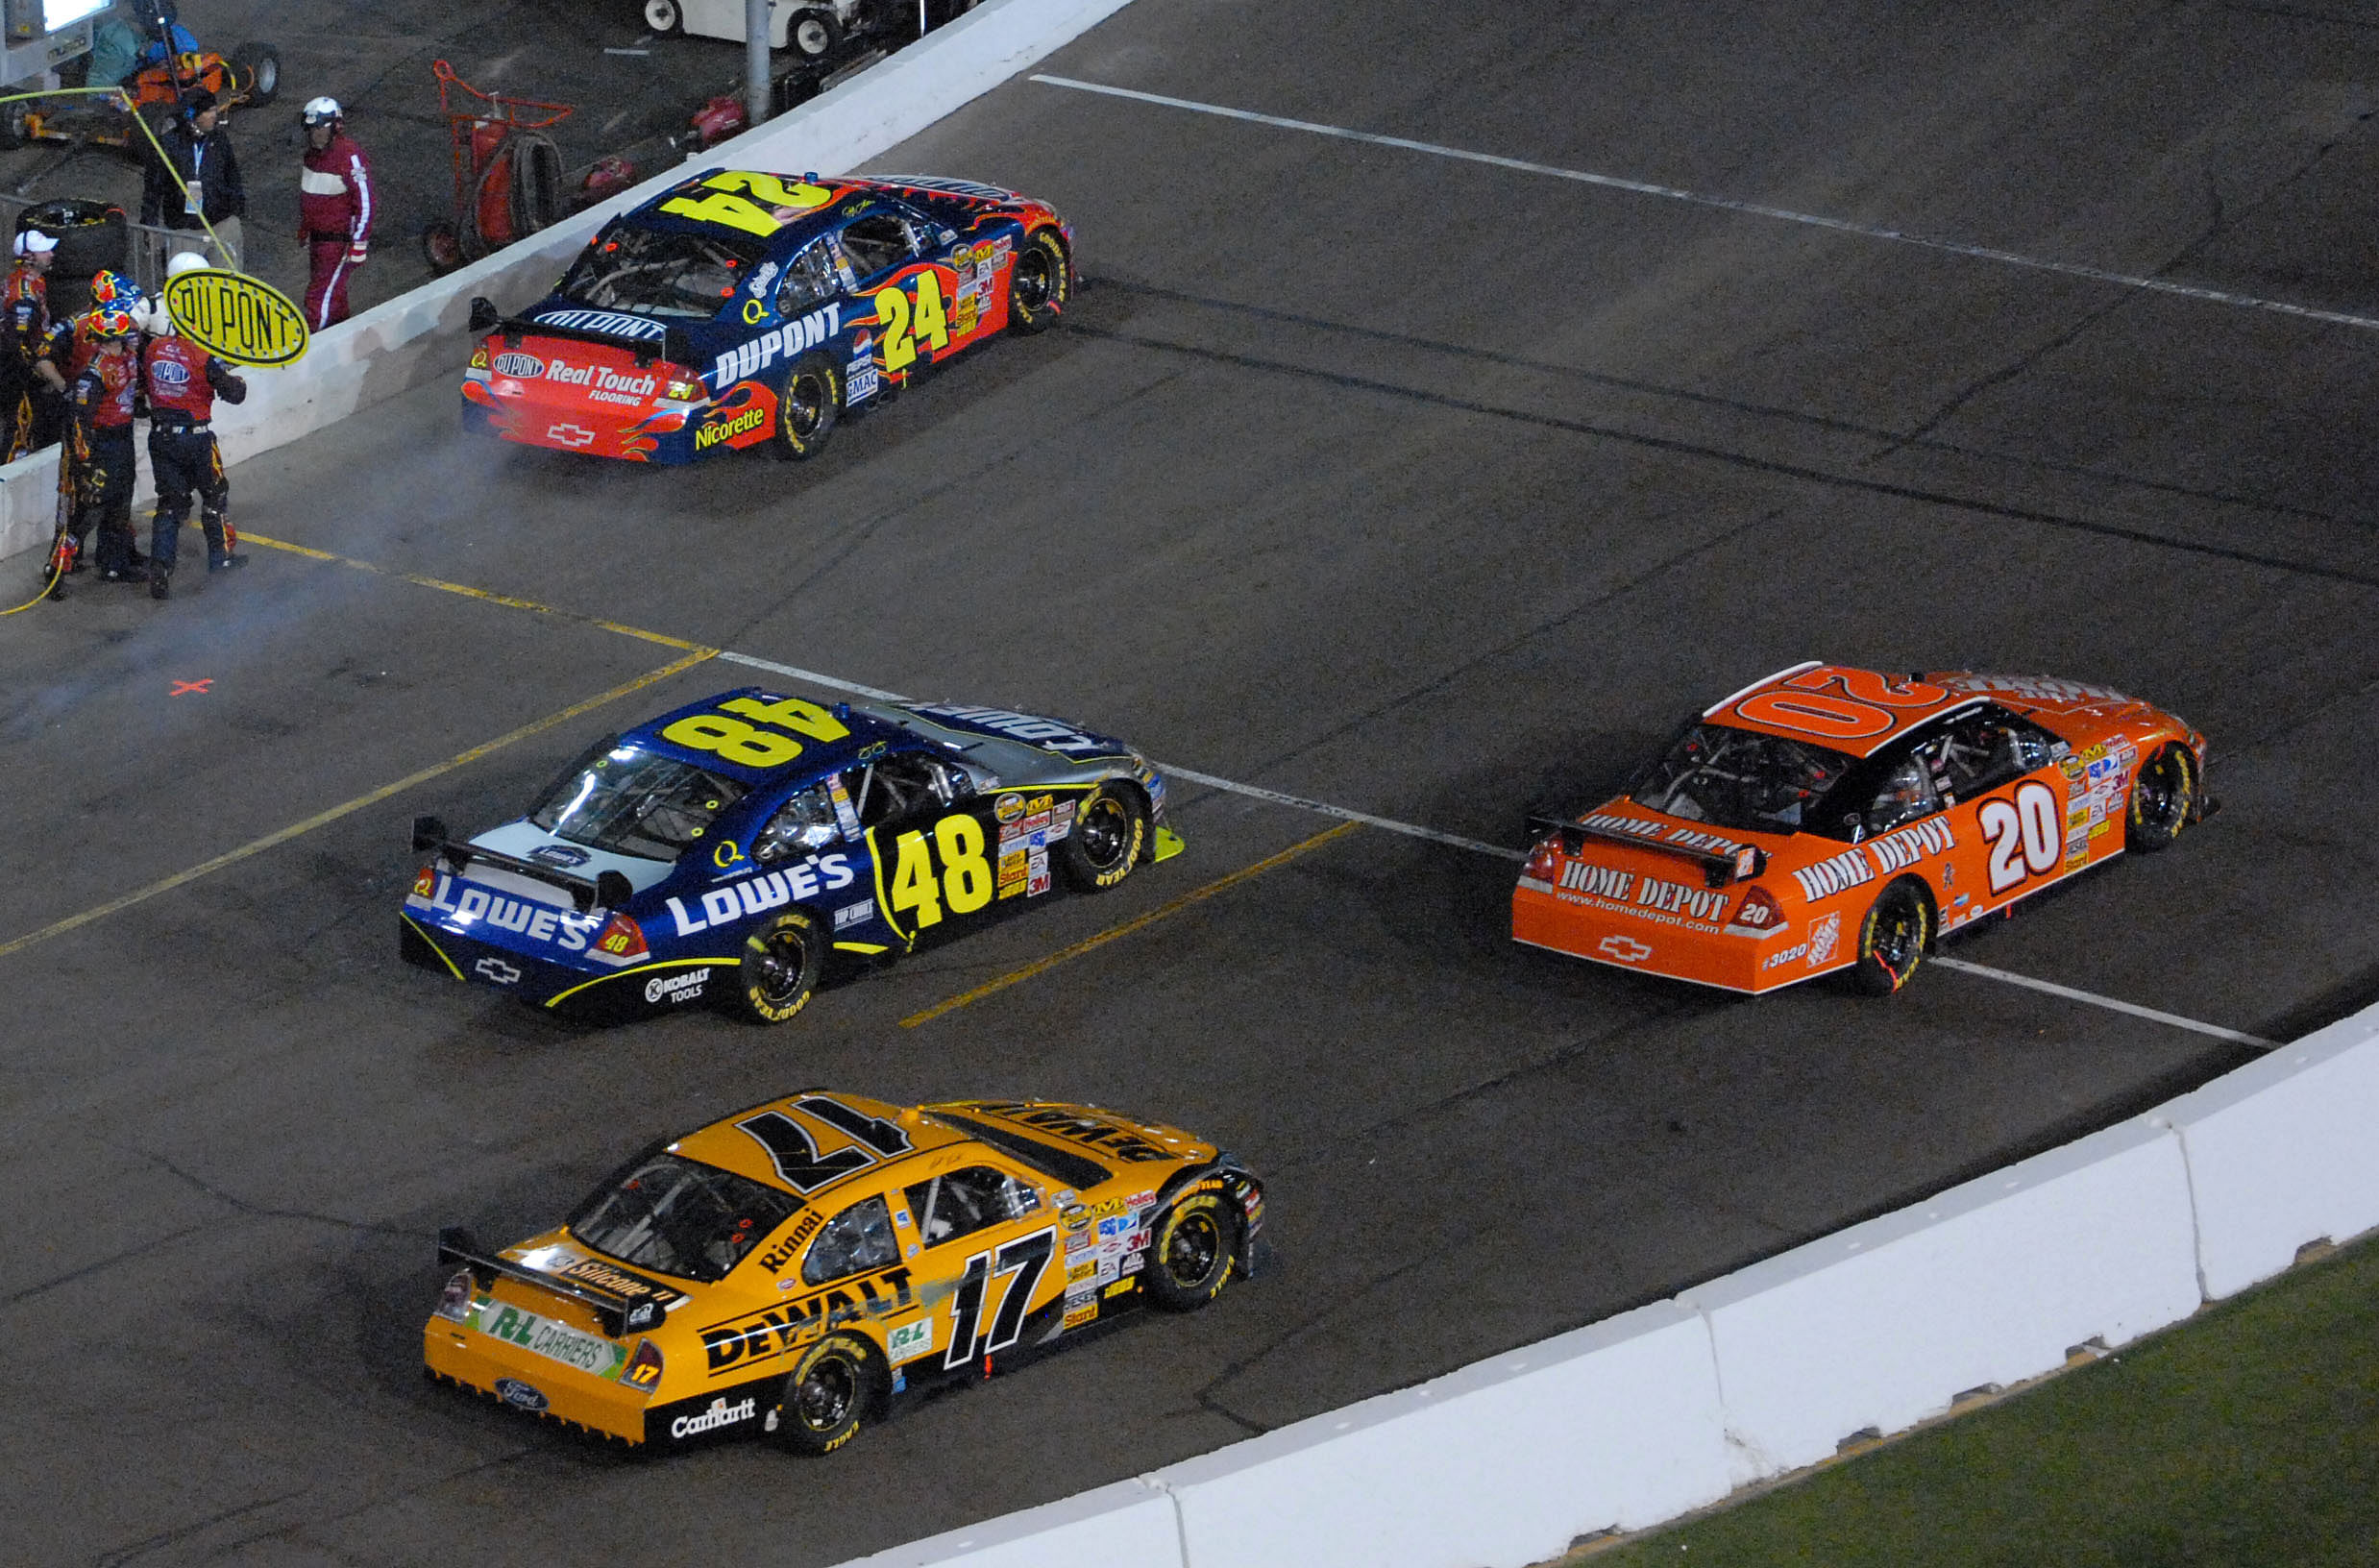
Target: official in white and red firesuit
(182, 382)
(336, 205)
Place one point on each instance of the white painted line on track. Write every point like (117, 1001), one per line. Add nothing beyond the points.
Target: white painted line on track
(1475, 846)
(1730, 204)
(2108, 1002)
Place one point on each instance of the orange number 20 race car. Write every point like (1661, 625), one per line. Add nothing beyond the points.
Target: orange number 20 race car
(791, 1268)
(1830, 819)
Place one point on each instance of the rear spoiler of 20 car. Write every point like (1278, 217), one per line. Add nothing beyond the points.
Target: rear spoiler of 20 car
(606, 889)
(1744, 863)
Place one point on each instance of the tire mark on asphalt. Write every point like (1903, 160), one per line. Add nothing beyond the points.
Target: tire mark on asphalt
(1678, 447)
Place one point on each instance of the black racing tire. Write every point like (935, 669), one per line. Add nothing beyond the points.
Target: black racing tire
(1892, 939)
(1041, 282)
(831, 1393)
(780, 972)
(813, 34)
(256, 74)
(2164, 799)
(441, 246)
(16, 124)
(665, 16)
(807, 409)
(1109, 834)
(1192, 1254)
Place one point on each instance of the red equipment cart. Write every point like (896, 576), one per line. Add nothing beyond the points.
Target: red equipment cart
(507, 173)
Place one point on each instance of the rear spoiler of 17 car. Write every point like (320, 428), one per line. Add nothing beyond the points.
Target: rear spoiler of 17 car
(1742, 864)
(618, 1314)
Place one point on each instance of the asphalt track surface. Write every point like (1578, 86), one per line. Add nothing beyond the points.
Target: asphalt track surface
(1430, 488)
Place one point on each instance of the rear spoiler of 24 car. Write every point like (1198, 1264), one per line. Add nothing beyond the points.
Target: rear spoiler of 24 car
(672, 345)
(1745, 862)
(606, 889)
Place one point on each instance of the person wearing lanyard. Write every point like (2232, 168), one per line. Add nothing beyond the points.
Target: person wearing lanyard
(199, 174)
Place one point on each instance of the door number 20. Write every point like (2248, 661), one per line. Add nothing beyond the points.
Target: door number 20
(2024, 834)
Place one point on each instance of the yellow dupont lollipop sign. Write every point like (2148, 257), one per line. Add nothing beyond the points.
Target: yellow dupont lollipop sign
(245, 321)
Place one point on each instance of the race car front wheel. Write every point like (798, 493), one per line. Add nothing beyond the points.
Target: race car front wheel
(2161, 798)
(780, 966)
(1190, 1258)
(1040, 284)
(826, 1397)
(1891, 940)
(1105, 842)
(806, 413)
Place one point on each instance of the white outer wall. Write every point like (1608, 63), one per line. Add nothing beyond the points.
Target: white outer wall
(422, 336)
(1654, 1412)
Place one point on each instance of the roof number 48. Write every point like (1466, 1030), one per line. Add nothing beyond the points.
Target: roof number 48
(735, 741)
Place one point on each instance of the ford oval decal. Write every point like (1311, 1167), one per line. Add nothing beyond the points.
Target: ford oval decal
(516, 1392)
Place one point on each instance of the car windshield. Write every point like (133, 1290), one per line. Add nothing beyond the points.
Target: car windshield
(676, 1217)
(658, 274)
(634, 802)
(1741, 780)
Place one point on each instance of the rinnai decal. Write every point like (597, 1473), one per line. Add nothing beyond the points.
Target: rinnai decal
(720, 1415)
(1626, 950)
(755, 895)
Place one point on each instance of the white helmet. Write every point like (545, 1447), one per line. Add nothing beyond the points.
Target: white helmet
(153, 318)
(322, 112)
(183, 261)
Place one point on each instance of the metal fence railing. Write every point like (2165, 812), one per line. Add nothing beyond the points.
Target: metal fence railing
(147, 247)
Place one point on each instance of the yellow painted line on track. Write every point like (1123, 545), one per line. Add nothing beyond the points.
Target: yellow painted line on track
(485, 596)
(1087, 944)
(319, 819)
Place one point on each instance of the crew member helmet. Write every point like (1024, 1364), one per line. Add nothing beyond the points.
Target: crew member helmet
(183, 261)
(113, 324)
(115, 288)
(322, 112)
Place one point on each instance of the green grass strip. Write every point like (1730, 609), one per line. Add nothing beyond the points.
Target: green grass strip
(2247, 1435)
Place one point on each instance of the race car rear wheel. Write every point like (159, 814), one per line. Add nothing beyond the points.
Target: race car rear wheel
(828, 1395)
(1040, 284)
(781, 962)
(1189, 1258)
(1892, 939)
(1105, 843)
(2161, 798)
(807, 409)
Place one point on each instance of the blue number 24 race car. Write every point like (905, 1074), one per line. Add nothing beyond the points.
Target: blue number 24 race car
(741, 308)
(722, 851)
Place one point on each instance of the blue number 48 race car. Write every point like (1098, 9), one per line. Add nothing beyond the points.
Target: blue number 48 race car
(739, 308)
(722, 852)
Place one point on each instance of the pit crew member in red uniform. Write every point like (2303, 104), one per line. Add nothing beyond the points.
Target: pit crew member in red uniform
(99, 439)
(334, 210)
(182, 382)
(28, 405)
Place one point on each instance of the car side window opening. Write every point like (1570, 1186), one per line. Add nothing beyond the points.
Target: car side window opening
(812, 278)
(1905, 795)
(853, 1242)
(961, 1202)
(878, 243)
(907, 782)
(1981, 750)
(806, 822)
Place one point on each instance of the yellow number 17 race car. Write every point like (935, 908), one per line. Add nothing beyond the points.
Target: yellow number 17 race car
(791, 1269)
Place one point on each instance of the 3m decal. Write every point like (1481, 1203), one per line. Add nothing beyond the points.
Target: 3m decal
(733, 198)
(1022, 1263)
(2026, 834)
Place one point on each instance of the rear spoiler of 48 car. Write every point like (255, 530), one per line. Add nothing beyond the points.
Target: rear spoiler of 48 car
(606, 889)
(1718, 871)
